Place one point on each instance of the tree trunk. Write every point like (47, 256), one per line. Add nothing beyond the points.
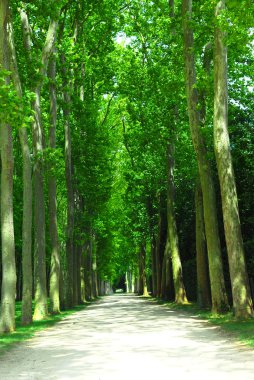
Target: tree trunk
(19, 278)
(203, 285)
(88, 272)
(27, 274)
(40, 310)
(7, 323)
(168, 290)
(242, 302)
(218, 290)
(75, 275)
(69, 186)
(169, 293)
(142, 271)
(94, 269)
(82, 278)
(7, 320)
(158, 250)
(154, 271)
(79, 253)
(163, 279)
(158, 260)
(180, 293)
(129, 281)
(55, 256)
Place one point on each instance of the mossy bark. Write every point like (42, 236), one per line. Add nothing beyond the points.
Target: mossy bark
(68, 179)
(218, 290)
(154, 268)
(27, 275)
(40, 310)
(203, 284)
(53, 231)
(94, 269)
(82, 278)
(88, 271)
(7, 320)
(180, 293)
(158, 257)
(242, 302)
(142, 271)
(169, 287)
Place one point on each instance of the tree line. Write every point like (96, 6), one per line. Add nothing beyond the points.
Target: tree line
(126, 151)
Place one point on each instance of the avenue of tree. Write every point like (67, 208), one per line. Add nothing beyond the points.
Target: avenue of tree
(127, 153)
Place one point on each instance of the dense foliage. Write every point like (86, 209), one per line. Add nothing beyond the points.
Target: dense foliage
(121, 105)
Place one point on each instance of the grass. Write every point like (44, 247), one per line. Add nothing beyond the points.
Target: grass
(26, 332)
(242, 331)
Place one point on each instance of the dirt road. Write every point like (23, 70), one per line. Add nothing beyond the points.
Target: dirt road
(124, 337)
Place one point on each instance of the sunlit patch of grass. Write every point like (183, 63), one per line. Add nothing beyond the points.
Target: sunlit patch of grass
(241, 330)
(26, 332)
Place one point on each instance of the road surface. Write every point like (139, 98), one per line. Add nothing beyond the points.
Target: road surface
(124, 337)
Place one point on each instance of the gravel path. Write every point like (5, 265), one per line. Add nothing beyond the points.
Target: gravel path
(125, 337)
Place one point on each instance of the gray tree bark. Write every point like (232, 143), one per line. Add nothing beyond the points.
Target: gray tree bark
(218, 291)
(142, 271)
(242, 302)
(154, 267)
(40, 310)
(82, 277)
(27, 275)
(54, 291)
(158, 250)
(203, 284)
(180, 293)
(7, 319)
(69, 185)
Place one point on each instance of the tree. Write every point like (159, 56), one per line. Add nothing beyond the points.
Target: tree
(180, 293)
(27, 192)
(219, 296)
(242, 302)
(53, 229)
(40, 310)
(203, 285)
(7, 321)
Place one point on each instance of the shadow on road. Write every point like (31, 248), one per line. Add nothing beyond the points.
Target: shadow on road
(127, 337)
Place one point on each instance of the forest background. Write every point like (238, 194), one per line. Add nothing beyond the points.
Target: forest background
(117, 165)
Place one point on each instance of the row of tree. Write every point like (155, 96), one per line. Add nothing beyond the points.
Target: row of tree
(202, 68)
(120, 111)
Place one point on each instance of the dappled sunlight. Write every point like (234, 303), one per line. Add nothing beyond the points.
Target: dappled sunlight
(123, 337)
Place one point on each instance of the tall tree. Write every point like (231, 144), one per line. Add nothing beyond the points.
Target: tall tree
(219, 296)
(27, 277)
(242, 302)
(69, 180)
(142, 271)
(40, 310)
(180, 293)
(7, 321)
(203, 285)
(55, 255)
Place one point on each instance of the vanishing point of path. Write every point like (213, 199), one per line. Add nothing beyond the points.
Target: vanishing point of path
(125, 337)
